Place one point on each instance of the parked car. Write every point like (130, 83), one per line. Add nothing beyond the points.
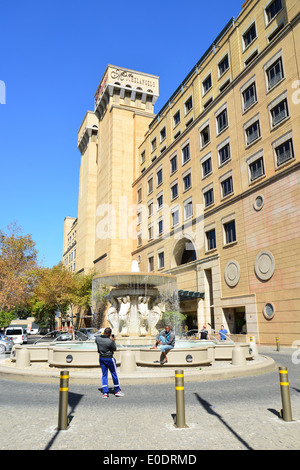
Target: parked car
(89, 332)
(16, 334)
(5, 344)
(64, 336)
(34, 331)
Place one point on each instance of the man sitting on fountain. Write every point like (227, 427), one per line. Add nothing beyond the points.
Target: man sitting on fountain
(166, 339)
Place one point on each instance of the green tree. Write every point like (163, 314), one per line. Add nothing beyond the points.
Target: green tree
(44, 315)
(6, 318)
(174, 319)
(81, 296)
(55, 287)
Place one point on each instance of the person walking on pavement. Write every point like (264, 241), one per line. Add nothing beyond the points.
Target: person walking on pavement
(106, 347)
(166, 339)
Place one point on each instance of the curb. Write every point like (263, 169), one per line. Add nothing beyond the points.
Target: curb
(142, 376)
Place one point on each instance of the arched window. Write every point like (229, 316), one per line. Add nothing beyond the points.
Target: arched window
(183, 252)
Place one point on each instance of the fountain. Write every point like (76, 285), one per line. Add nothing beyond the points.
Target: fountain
(137, 301)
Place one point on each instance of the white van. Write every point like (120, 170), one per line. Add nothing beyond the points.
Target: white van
(16, 334)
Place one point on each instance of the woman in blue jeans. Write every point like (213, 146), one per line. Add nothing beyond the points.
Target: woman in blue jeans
(167, 341)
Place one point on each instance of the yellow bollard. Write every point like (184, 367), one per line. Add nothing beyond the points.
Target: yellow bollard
(180, 405)
(286, 412)
(63, 400)
(277, 344)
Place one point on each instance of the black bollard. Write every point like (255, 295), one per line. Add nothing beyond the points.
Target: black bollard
(180, 405)
(63, 400)
(286, 412)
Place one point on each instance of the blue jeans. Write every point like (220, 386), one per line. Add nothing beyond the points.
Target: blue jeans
(164, 347)
(109, 363)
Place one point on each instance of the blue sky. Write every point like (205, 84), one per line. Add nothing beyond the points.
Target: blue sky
(53, 55)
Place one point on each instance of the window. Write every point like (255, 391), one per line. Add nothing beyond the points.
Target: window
(160, 201)
(222, 121)
(175, 217)
(256, 168)
(206, 165)
(160, 226)
(176, 118)
(143, 157)
(173, 163)
(139, 238)
(150, 232)
(159, 176)
(249, 36)
(226, 186)
(224, 152)
(161, 260)
(185, 151)
(249, 96)
(150, 208)
(150, 185)
(208, 102)
(153, 145)
(252, 131)
(224, 85)
(151, 263)
(275, 31)
(205, 136)
(283, 149)
(187, 181)
(177, 135)
(162, 134)
(250, 57)
(272, 9)
(188, 208)
(189, 122)
(278, 110)
(206, 84)
(223, 65)
(188, 105)
(211, 239)
(139, 195)
(139, 217)
(230, 232)
(274, 73)
(174, 191)
(208, 196)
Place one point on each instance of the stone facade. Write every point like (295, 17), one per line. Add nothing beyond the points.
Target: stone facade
(208, 189)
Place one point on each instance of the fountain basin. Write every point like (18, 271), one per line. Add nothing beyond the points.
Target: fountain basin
(85, 355)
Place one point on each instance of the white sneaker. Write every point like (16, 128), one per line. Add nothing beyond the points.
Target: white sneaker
(105, 395)
(119, 394)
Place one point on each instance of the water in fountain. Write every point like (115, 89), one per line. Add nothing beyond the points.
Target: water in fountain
(136, 300)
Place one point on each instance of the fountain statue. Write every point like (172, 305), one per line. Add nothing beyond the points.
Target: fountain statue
(137, 300)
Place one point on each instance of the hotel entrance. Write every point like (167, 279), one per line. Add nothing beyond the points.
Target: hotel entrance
(236, 320)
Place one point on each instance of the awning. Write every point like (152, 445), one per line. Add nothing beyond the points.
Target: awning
(189, 295)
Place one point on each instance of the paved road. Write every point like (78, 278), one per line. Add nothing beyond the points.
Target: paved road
(241, 413)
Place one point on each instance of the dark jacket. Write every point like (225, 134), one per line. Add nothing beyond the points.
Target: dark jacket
(105, 346)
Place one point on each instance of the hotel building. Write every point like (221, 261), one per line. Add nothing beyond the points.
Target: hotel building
(207, 189)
